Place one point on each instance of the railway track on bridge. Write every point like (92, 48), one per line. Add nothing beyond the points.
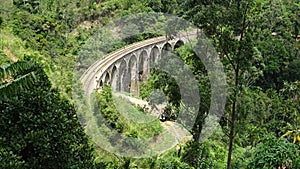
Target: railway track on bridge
(105, 62)
(88, 79)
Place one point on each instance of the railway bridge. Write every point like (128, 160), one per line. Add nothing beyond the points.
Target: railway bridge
(124, 68)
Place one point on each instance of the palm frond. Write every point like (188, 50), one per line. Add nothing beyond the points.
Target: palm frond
(16, 77)
(16, 68)
(17, 85)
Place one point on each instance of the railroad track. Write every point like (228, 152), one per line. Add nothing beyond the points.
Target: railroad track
(88, 79)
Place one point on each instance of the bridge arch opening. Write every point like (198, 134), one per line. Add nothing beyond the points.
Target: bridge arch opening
(101, 83)
(114, 78)
(167, 48)
(178, 44)
(107, 78)
(122, 84)
(154, 55)
(133, 74)
(143, 66)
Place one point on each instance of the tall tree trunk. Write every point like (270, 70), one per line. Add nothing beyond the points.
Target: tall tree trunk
(237, 89)
(233, 114)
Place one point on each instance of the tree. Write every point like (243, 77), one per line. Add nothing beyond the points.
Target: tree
(292, 72)
(253, 111)
(164, 6)
(239, 31)
(235, 45)
(290, 95)
(275, 153)
(39, 128)
(197, 155)
(29, 5)
(274, 39)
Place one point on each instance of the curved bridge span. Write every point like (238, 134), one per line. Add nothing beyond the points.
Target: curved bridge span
(124, 68)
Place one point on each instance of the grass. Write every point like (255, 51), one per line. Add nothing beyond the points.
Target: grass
(132, 113)
(167, 143)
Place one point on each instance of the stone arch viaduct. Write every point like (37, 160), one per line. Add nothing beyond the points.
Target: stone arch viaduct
(124, 68)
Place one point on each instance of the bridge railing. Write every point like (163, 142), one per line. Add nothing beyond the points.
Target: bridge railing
(107, 60)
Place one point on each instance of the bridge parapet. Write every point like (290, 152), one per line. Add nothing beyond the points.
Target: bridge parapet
(125, 67)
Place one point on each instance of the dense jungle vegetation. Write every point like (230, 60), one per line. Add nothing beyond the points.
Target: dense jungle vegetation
(257, 42)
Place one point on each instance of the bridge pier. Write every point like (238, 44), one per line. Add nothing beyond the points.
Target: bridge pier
(129, 66)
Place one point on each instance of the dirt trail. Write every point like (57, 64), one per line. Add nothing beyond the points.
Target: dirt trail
(10, 55)
(179, 132)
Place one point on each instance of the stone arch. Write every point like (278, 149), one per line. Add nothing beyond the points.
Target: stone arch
(143, 66)
(154, 55)
(114, 78)
(133, 74)
(178, 44)
(167, 48)
(132, 66)
(122, 76)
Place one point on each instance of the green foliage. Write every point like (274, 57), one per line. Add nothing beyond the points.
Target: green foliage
(164, 6)
(291, 73)
(105, 106)
(274, 40)
(40, 129)
(4, 58)
(140, 37)
(252, 114)
(241, 157)
(173, 163)
(254, 41)
(284, 110)
(9, 160)
(17, 75)
(274, 153)
(161, 80)
(141, 124)
(210, 153)
(30, 5)
(197, 155)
